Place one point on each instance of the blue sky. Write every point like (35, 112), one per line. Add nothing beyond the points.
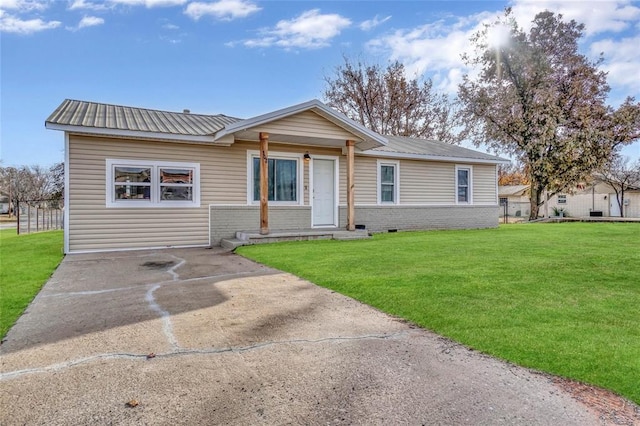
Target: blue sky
(244, 58)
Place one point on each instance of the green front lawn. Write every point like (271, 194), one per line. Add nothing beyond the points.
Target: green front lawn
(26, 262)
(562, 298)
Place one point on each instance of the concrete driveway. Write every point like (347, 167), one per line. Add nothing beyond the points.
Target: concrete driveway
(201, 336)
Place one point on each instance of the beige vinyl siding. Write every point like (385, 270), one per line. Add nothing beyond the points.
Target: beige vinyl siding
(93, 226)
(423, 182)
(223, 181)
(306, 124)
(484, 184)
(365, 180)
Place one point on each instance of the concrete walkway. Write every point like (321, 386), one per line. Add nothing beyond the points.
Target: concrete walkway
(206, 337)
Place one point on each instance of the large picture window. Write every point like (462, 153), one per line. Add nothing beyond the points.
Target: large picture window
(463, 185)
(388, 182)
(284, 178)
(138, 183)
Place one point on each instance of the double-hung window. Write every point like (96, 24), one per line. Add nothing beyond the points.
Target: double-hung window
(463, 185)
(388, 172)
(139, 183)
(284, 178)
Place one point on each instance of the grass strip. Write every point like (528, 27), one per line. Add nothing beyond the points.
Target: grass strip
(561, 298)
(26, 262)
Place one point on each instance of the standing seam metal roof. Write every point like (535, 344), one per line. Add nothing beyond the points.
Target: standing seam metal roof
(105, 116)
(414, 146)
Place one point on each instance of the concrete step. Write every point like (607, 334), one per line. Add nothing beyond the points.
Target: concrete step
(254, 237)
(233, 243)
(346, 236)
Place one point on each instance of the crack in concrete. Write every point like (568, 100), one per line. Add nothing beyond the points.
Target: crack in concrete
(185, 351)
(91, 292)
(161, 283)
(165, 317)
(167, 326)
(172, 271)
(68, 364)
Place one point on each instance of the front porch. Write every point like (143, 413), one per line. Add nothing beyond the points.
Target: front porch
(243, 238)
(294, 223)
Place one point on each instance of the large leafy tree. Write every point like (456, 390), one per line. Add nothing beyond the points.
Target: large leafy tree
(535, 97)
(387, 102)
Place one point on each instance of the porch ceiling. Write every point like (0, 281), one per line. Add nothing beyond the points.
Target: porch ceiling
(295, 139)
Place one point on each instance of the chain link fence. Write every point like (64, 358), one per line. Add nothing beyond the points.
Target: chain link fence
(39, 215)
(514, 211)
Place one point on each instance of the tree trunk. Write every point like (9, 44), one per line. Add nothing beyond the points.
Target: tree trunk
(621, 202)
(534, 201)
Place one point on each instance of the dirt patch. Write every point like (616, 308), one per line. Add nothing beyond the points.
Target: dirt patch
(611, 408)
(159, 265)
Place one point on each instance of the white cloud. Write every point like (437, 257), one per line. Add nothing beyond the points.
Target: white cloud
(436, 48)
(150, 3)
(309, 30)
(90, 21)
(85, 5)
(622, 61)
(170, 27)
(14, 24)
(598, 16)
(23, 5)
(87, 21)
(370, 24)
(226, 10)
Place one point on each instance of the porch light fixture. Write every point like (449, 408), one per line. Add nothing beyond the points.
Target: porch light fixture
(306, 157)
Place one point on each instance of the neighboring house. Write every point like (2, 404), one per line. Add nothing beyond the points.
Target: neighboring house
(597, 199)
(139, 178)
(516, 199)
(4, 204)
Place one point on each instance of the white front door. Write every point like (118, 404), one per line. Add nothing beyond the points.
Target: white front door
(614, 207)
(324, 192)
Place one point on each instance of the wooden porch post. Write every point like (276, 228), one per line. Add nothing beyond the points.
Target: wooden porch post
(264, 183)
(350, 187)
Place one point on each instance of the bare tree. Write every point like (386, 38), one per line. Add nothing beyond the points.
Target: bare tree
(621, 175)
(387, 102)
(538, 99)
(31, 183)
(7, 179)
(56, 173)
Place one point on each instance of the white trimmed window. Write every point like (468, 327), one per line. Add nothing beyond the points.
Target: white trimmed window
(562, 199)
(464, 184)
(285, 178)
(388, 182)
(139, 183)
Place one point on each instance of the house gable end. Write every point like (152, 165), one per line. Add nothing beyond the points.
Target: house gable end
(312, 123)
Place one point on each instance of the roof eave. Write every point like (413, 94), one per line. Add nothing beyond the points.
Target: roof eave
(134, 134)
(449, 159)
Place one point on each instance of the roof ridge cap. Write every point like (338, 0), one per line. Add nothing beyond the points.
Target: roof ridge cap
(151, 109)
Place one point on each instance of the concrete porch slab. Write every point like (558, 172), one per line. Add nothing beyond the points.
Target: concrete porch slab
(255, 237)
